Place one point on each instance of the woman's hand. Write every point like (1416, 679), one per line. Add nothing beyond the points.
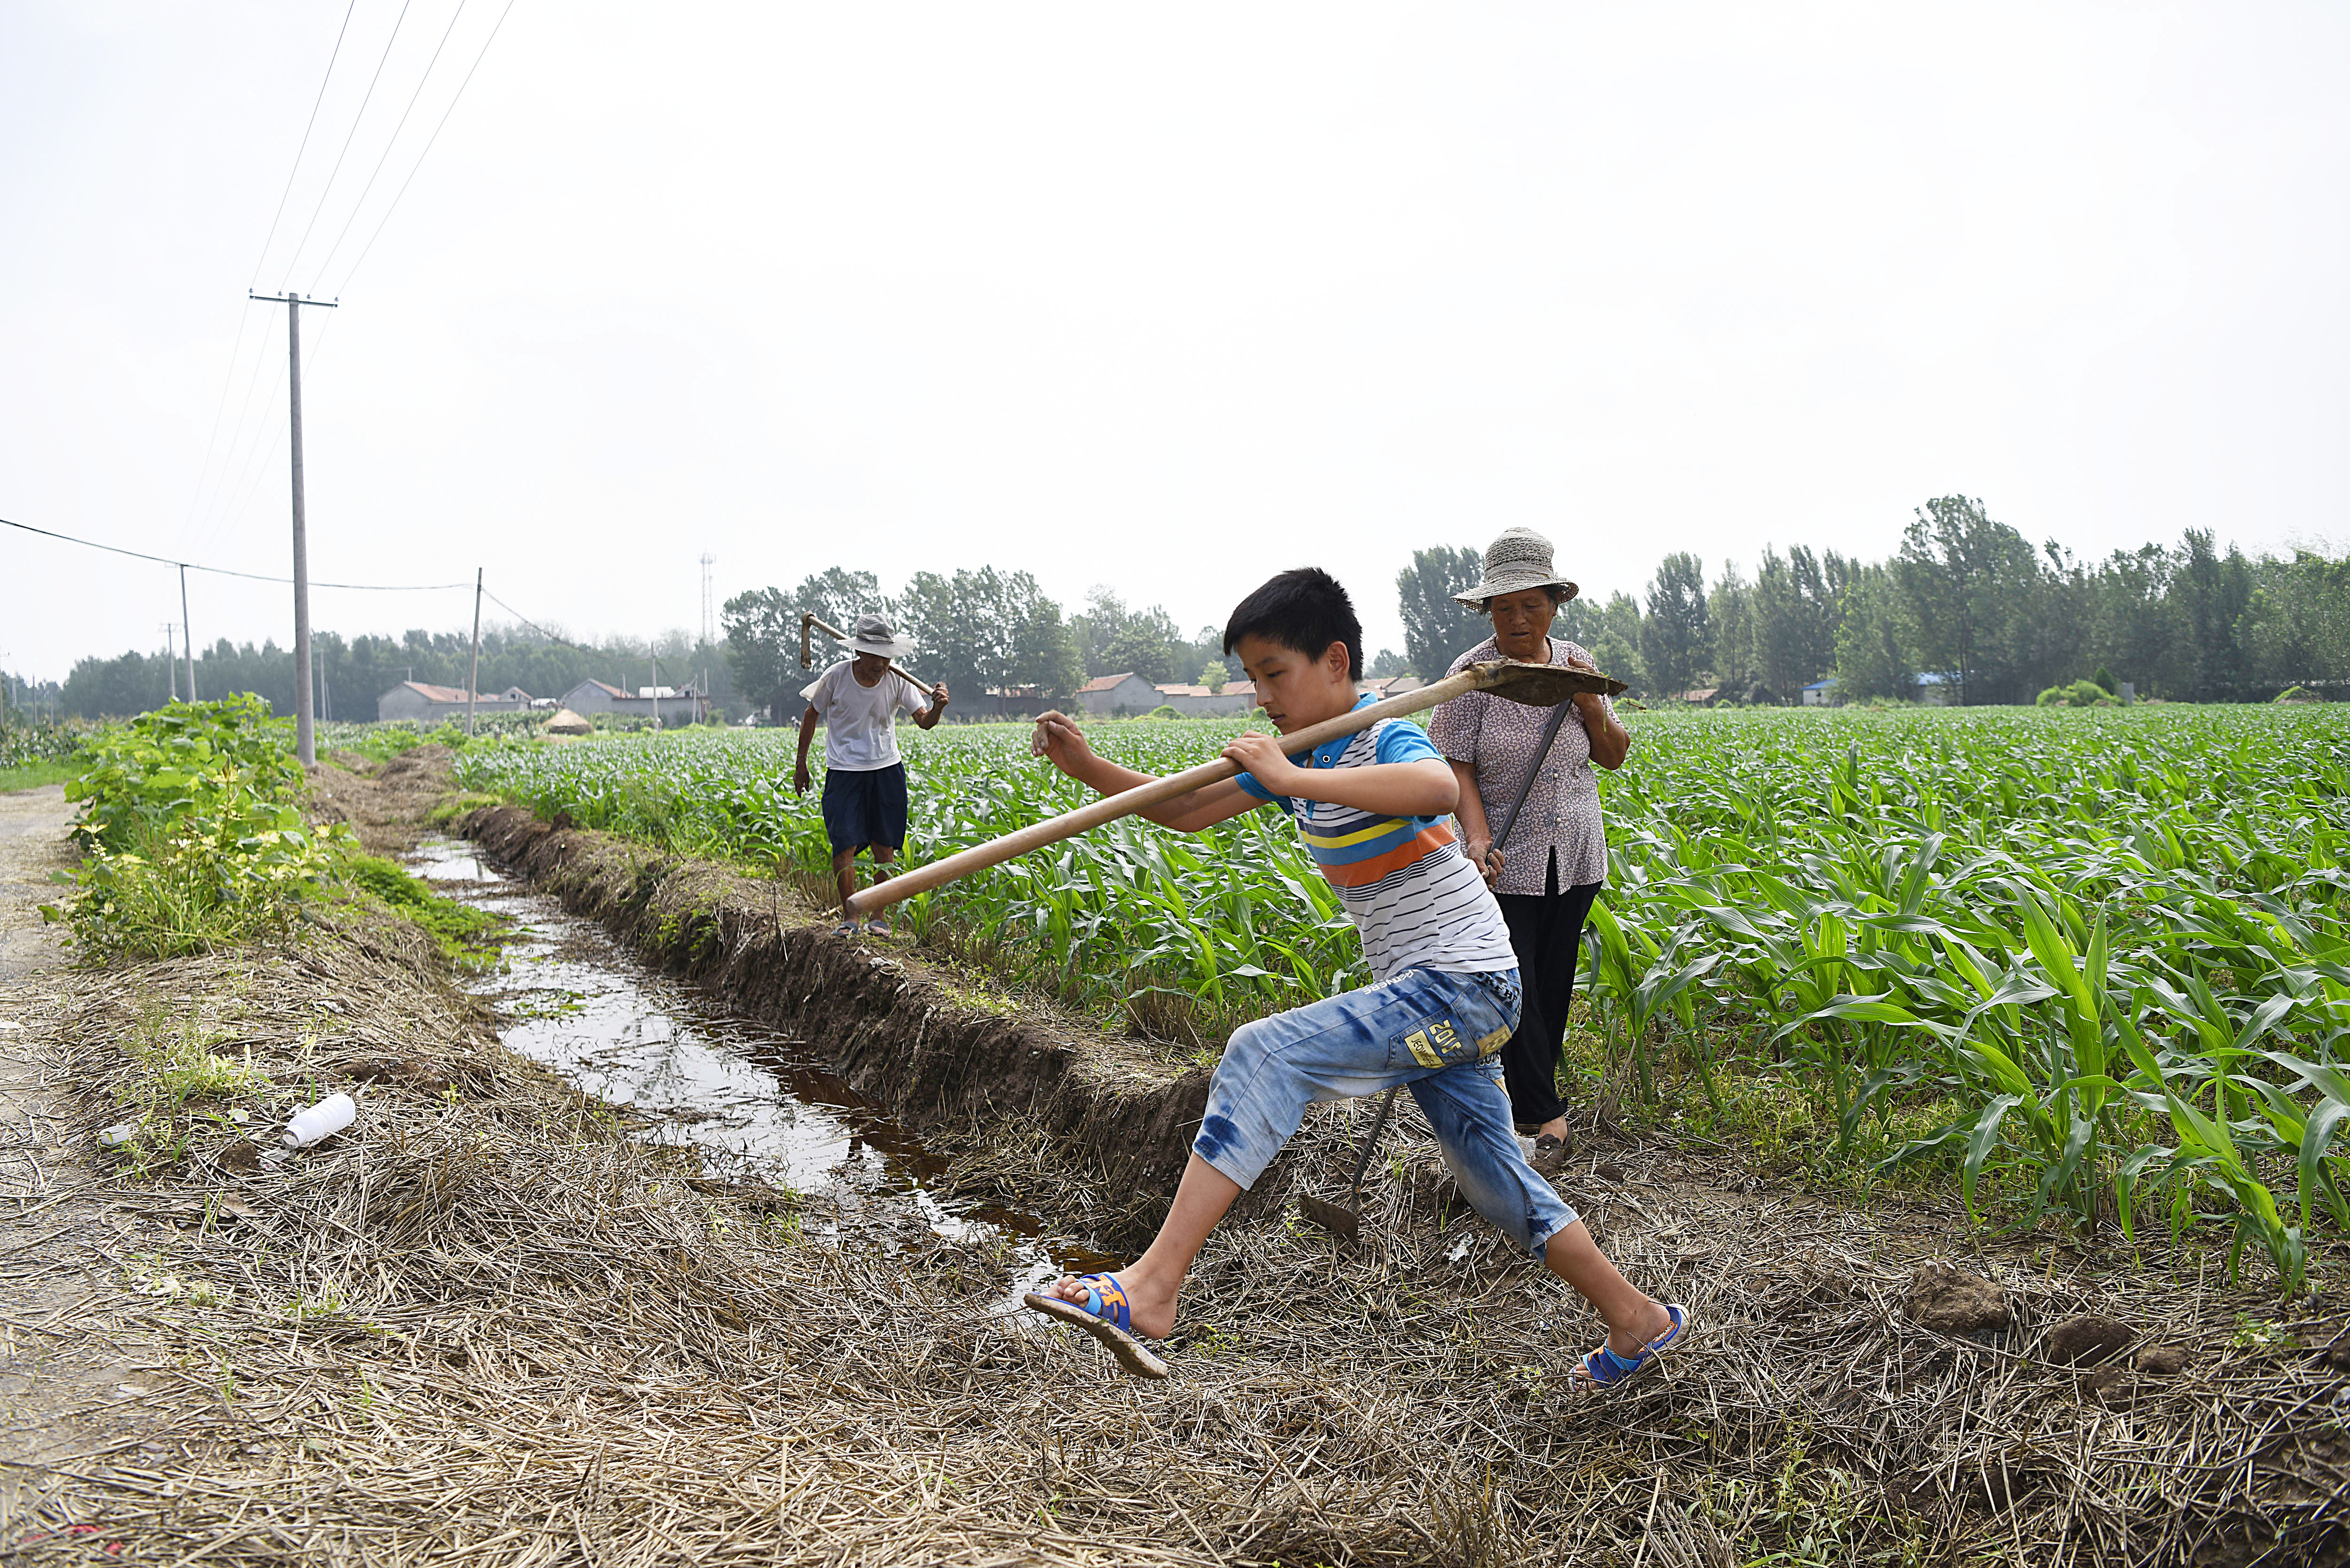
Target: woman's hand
(1610, 741)
(1059, 741)
(1586, 703)
(1486, 858)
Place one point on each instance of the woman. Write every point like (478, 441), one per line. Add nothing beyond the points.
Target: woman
(1556, 859)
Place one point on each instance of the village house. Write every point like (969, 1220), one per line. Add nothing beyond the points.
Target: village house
(1009, 702)
(1123, 694)
(1386, 686)
(1820, 693)
(430, 705)
(675, 704)
(1237, 697)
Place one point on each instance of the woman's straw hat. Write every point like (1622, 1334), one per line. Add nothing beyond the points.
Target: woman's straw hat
(1518, 560)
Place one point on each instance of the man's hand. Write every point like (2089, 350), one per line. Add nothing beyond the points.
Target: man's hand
(1059, 741)
(1262, 758)
(938, 697)
(800, 777)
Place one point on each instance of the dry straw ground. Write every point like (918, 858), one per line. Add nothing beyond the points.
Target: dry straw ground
(487, 1326)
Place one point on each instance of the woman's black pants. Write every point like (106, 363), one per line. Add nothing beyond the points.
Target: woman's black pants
(1547, 933)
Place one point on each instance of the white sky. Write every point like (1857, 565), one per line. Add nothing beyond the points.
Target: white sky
(1166, 300)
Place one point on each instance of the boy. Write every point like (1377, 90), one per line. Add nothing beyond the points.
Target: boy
(858, 700)
(1444, 993)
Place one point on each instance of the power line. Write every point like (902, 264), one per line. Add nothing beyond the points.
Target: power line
(304, 147)
(393, 140)
(224, 484)
(428, 147)
(558, 642)
(328, 189)
(231, 572)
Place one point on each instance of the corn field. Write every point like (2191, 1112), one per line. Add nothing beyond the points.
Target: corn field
(2105, 950)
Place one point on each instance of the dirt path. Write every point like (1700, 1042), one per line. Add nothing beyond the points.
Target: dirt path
(67, 1396)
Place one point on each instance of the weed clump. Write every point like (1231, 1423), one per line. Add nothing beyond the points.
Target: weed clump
(460, 930)
(193, 834)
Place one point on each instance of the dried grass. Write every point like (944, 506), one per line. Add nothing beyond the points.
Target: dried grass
(486, 1326)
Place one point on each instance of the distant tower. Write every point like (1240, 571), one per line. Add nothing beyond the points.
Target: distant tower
(709, 623)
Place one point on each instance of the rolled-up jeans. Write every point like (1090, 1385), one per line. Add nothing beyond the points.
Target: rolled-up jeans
(1437, 1031)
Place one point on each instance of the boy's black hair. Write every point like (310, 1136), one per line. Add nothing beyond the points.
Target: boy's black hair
(1304, 611)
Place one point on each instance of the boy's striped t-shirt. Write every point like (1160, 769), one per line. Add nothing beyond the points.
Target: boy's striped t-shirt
(1411, 893)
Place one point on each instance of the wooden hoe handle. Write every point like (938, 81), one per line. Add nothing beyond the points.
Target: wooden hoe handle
(1547, 684)
(807, 653)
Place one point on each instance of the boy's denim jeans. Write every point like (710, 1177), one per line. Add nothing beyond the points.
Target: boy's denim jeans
(1441, 1033)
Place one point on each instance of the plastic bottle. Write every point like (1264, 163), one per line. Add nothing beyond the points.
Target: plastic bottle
(323, 1121)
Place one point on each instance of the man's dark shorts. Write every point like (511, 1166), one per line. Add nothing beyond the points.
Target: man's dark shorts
(862, 808)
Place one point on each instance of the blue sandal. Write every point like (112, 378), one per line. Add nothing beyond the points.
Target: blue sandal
(1105, 1316)
(1604, 1366)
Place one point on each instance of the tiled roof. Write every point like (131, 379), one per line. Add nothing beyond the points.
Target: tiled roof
(1105, 682)
(435, 693)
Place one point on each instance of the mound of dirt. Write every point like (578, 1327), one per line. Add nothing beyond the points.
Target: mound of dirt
(1948, 1300)
(2087, 1340)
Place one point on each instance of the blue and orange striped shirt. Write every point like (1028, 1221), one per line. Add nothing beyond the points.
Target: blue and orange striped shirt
(1412, 895)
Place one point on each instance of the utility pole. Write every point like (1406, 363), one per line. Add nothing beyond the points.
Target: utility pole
(306, 740)
(171, 664)
(474, 671)
(709, 627)
(187, 637)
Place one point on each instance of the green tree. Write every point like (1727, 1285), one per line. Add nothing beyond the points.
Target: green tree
(1436, 629)
(1794, 615)
(1676, 634)
(1730, 609)
(1610, 633)
(2214, 592)
(763, 651)
(1872, 652)
(986, 632)
(1044, 649)
(2295, 628)
(1978, 601)
(837, 597)
(2133, 624)
(1114, 639)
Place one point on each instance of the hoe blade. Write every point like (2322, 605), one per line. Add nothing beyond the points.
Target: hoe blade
(1544, 685)
(1335, 1217)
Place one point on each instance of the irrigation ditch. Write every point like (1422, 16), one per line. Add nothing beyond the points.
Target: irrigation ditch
(538, 1306)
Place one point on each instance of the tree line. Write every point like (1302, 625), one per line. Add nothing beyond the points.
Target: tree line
(980, 632)
(353, 672)
(1966, 601)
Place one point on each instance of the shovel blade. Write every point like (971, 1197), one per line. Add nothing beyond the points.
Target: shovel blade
(1335, 1217)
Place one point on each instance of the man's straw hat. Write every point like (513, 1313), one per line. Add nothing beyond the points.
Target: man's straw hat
(1518, 560)
(875, 635)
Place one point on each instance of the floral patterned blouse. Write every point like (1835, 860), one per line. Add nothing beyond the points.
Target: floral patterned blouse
(1497, 737)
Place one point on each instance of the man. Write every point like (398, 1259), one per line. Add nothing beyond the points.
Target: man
(857, 701)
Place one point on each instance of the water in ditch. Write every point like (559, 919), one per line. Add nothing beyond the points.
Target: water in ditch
(754, 1103)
